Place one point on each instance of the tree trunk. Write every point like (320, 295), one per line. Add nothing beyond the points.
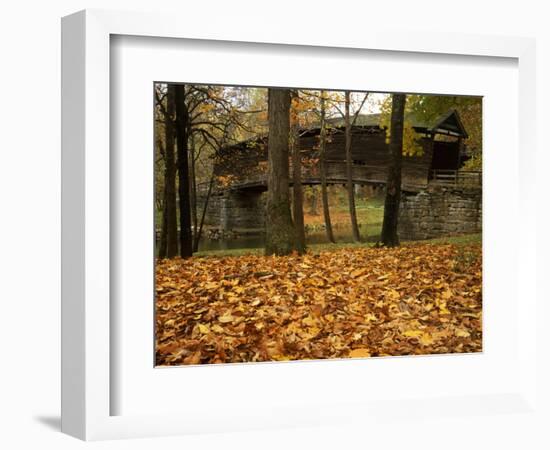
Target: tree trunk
(323, 171)
(198, 232)
(193, 193)
(280, 231)
(160, 205)
(182, 131)
(349, 174)
(170, 207)
(313, 204)
(298, 195)
(163, 241)
(393, 186)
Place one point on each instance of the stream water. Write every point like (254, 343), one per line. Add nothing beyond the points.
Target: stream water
(257, 241)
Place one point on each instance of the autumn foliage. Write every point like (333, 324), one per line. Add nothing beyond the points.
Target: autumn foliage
(356, 302)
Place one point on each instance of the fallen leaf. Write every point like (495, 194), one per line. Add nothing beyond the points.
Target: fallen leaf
(398, 301)
(359, 353)
(226, 318)
(462, 333)
(413, 333)
(194, 358)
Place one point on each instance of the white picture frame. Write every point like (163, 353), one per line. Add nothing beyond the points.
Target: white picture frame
(87, 326)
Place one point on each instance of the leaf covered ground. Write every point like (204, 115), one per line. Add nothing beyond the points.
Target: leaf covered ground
(350, 302)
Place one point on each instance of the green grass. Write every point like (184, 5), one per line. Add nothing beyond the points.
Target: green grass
(455, 240)
(232, 252)
(370, 203)
(370, 213)
(465, 239)
(317, 248)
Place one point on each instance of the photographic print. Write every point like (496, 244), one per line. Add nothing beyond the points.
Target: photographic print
(304, 224)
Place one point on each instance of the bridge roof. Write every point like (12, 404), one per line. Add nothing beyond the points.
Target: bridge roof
(448, 123)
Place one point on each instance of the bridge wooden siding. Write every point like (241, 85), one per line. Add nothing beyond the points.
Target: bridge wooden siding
(336, 174)
(243, 166)
(369, 166)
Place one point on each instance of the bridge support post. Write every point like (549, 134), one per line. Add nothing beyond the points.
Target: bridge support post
(243, 210)
(224, 215)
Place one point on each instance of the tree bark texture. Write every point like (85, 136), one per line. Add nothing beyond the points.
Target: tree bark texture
(323, 171)
(161, 206)
(182, 133)
(349, 172)
(313, 204)
(198, 231)
(393, 186)
(297, 192)
(163, 230)
(170, 201)
(280, 231)
(193, 189)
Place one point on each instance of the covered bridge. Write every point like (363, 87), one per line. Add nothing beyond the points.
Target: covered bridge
(241, 169)
(243, 166)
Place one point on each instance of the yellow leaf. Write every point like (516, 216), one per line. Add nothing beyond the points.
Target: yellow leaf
(281, 358)
(459, 332)
(309, 321)
(413, 333)
(203, 329)
(312, 332)
(393, 294)
(442, 307)
(319, 282)
(357, 272)
(474, 315)
(226, 318)
(426, 339)
(359, 353)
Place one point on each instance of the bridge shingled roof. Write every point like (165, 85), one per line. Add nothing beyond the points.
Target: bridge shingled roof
(448, 123)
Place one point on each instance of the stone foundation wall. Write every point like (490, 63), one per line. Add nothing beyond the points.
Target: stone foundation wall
(234, 210)
(440, 212)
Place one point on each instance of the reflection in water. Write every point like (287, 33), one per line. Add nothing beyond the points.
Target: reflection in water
(258, 241)
(231, 244)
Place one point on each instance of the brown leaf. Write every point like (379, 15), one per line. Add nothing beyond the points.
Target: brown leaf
(374, 301)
